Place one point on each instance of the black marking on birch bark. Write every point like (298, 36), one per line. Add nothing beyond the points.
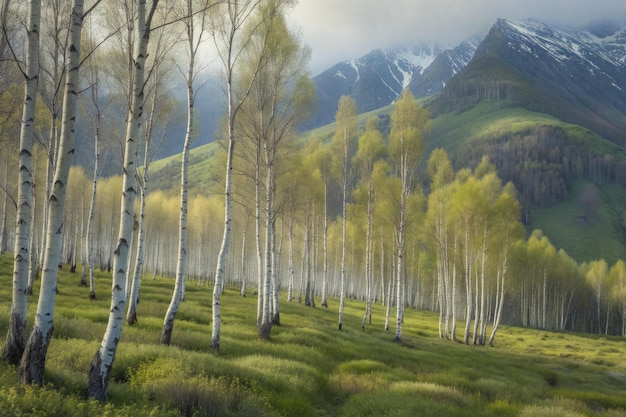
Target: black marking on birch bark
(25, 152)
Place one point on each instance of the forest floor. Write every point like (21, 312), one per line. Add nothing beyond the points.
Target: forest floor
(308, 368)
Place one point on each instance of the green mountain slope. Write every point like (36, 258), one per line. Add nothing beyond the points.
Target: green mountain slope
(552, 173)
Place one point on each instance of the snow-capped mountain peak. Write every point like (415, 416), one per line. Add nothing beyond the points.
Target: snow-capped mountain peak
(378, 78)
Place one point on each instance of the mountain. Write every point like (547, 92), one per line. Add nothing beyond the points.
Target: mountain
(377, 79)
(576, 76)
(548, 107)
(448, 63)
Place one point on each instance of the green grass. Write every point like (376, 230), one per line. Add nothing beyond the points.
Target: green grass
(309, 368)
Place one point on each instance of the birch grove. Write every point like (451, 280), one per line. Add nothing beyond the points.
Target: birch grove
(350, 215)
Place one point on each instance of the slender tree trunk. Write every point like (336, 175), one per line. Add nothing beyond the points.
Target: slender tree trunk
(500, 302)
(266, 320)
(468, 288)
(325, 249)
(291, 261)
(102, 362)
(92, 205)
(135, 278)
(307, 261)
(5, 200)
(368, 258)
(453, 290)
(244, 271)
(400, 266)
(32, 365)
(389, 302)
(32, 245)
(181, 265)
(259, 248)
(16, 334)
(342, 294)
(483, 272)
(276, 259)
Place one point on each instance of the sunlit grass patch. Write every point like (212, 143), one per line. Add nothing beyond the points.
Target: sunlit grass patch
(280, 373)
(558, 407)
(398, 403)
(433, 391)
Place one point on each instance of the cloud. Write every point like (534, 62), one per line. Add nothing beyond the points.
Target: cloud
(338, 30)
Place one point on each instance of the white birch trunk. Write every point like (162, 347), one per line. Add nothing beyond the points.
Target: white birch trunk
(291, 262)
(276, 259)
(32, 365)
(368, 258)
(453, 296)
(102, 362)
(344, 189)
(325, 249)
(135, 278)
(266, 289)
(32, 249)
(244, 268)
(220, 270)
(5, 200)
(468, 287)
(500, 299)
(92, 205)
(181, 265)
(16, 334)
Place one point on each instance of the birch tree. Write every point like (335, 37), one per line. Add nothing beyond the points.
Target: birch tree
(102, 362)
(346, 130)
(32, 365)
(370, 149)
(230, 39)
(16, 334)
(441, 175)
(279, 97)
(161, 109)
(409, 124)
(193, 40)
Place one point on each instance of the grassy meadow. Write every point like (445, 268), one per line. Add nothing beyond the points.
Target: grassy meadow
(309, 368)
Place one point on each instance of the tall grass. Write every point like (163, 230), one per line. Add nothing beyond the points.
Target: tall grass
(308, 368)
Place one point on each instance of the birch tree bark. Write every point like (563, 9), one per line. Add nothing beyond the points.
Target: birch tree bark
(32, 365)
(16, 334)
(102, 362)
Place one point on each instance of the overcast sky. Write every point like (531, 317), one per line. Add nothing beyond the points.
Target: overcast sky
(338, 30)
